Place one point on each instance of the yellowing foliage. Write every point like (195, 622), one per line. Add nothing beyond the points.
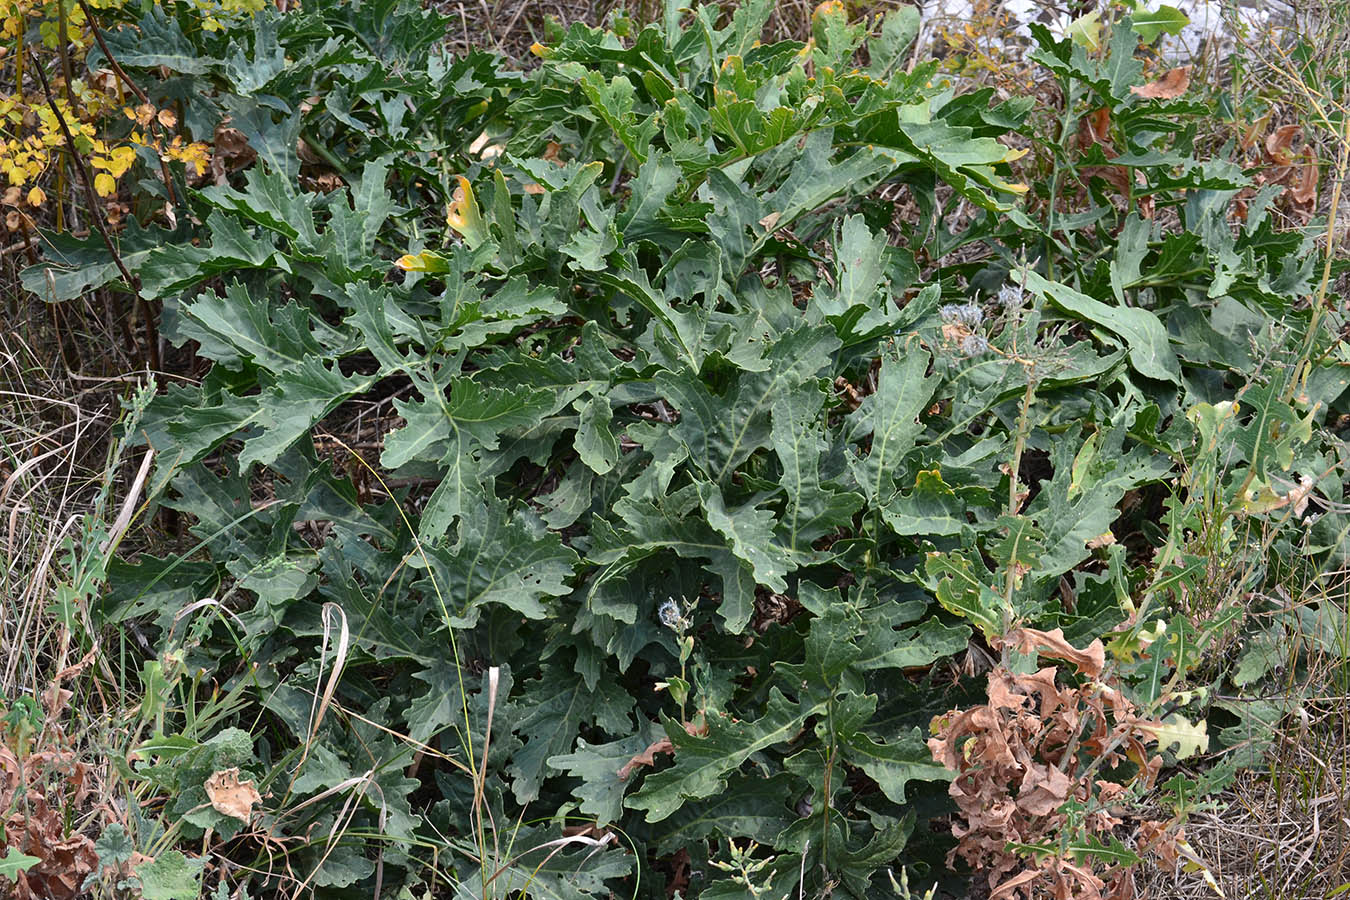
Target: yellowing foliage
(31, 134)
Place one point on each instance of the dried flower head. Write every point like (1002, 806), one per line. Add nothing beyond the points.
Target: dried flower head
(967, 314)
(1010, 295)
(669, 614)
(974, 345)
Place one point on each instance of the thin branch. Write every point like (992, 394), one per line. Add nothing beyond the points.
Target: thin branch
(96, 214)
(132, 86)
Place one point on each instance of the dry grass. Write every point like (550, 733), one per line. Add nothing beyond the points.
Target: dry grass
(60, 705)
(1282, 834)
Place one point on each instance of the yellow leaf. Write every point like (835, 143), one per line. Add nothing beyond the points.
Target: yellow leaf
(36, 197)
(828, 8)
(463, 216)
(105, 184)
(1175, 729)
(121, 159)
(426, 261)
(1086, 31)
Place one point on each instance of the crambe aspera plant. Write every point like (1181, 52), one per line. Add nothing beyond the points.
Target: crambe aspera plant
(670, 468)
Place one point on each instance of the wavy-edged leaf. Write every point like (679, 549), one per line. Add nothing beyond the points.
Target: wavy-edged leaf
(703, 764)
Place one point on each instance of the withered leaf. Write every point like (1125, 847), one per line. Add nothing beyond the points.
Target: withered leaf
(1172, 85)
(1279, 141)
(1053, 644)
(1044, 789)
(1008, 888)
(1305, 190)
(1105, 539)
(231, 797)
(646, 757)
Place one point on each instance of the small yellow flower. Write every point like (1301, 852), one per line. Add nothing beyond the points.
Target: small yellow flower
(36, 197)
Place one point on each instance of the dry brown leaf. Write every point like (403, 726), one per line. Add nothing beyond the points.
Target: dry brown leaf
(1305, 188)
(678, 882)
(231, 797)
(1280, 140)
(1105, 539)
(646, 757)
(1169, 87)
(1095, 128)
(306, 153)
(1053, 644)
(1008, 888)
(1043, 789)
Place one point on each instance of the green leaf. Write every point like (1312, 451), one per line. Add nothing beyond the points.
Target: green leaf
(499, 559)
(891, 764)
(113, 846)
(655, 526)
(859, 304)
(170, 876)
(268, 199)
(1273, 430)
(702, 764)
(722, 432)
(273, 139)
(14, 862)
(890, 416)
(551, 711)
(1086, 31)
(470, 413)
(575, 870)
(156, 41)
(292, 405)
(931, 508)
(169, 270)
(886, 641)
(236, 327)
(614, 102)
(749, 529)
(813, 507)
(887, 50)
(78, 265)
(953, 581)
(752, 806)
(597, 766)
(595, 442)
(630, 280)
(656, 180)
(817, 178)
(1163, 20)
(1143, 334)
(1081, 501)
(1130, 252)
